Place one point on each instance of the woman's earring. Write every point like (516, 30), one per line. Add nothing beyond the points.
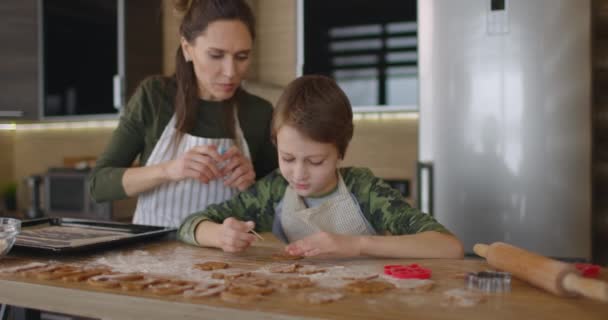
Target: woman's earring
(187, 57)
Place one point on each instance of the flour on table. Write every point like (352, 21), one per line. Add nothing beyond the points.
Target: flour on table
(413, 301)
(462, 298)
(410, 285)
(181, 262)
(321, 297)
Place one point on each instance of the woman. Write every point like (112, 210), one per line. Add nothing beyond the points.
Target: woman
(198, 135)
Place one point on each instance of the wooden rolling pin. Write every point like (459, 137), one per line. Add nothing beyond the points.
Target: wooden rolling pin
(554, 276)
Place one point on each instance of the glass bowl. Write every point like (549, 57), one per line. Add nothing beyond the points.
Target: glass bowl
(9, 228)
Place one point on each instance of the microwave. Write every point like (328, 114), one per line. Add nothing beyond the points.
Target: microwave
(66, 194)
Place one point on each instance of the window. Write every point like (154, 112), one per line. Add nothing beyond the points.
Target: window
(369, 47)
(80, 56)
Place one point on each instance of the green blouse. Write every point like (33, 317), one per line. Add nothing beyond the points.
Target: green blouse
(147, 114)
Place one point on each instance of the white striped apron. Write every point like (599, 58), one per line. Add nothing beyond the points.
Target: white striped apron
(170, 203)
(340, 214)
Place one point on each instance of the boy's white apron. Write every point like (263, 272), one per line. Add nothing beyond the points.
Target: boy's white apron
(170, 203)
(339, 215)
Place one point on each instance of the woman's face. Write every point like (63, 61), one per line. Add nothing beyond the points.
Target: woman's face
(221, 58)
(309, 166)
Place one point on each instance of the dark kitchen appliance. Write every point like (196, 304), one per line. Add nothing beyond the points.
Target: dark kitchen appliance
(66, 194)
(34, 184)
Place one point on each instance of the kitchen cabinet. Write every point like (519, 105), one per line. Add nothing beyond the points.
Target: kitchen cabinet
(75, 59)
(19, 60)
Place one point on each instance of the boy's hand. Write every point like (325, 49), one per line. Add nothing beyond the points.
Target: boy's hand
(234, 235)
(326, 244)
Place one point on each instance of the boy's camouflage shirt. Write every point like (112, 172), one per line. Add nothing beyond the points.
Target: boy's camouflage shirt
(384, 207)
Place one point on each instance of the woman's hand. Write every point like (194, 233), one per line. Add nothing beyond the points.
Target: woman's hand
(198, 163)
(325, 244)
(234, 235)
(238, 170)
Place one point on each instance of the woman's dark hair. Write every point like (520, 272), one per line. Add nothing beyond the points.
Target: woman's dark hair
(197, 15)
(316, 107)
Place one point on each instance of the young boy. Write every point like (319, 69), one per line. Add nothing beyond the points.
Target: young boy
(310, 203)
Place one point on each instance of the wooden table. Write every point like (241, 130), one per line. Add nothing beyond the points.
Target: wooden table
(523, 302)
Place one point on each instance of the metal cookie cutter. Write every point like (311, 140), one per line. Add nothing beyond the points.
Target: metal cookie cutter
(489, 281)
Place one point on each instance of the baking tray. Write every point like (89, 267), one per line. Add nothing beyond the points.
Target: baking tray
(73, 235)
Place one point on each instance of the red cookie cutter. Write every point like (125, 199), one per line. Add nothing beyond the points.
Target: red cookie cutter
(588, 270)
(412, 271)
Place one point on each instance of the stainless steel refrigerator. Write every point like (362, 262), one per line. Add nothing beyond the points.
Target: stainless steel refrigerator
(505, 123)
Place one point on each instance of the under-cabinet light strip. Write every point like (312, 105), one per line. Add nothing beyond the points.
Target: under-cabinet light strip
(379, 116)
(100, 124)
(7, 127)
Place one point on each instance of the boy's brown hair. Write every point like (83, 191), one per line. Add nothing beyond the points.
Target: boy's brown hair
(316, 107)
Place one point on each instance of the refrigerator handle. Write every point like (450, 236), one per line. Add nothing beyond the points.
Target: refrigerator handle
(118, 92)
(425, 186)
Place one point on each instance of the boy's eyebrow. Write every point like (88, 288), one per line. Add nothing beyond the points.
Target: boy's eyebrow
(308, 156)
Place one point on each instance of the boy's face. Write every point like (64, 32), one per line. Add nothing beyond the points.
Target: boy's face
(308, 166)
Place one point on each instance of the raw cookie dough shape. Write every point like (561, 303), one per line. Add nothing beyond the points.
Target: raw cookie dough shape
(252, 284)
(26, 267)
(374, 286)
(84, 274)
(57, 272)
(249, 280)
(211, 265)
(359, 276)
(113, 280)
(170, 287)
(230, 275)
(308, 269)
(283, 256)
(321, 297)
(139, 285)
(294, 282)
(284, 268)
(204, 290)
(32, 272)
(239, 295)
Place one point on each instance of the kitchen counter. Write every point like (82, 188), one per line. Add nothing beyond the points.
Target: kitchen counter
(174, 258)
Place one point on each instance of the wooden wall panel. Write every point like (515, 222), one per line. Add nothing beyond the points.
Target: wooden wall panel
(276, 46)
(36, 151)
(7, 143)
(388, 147)
(170, 37)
